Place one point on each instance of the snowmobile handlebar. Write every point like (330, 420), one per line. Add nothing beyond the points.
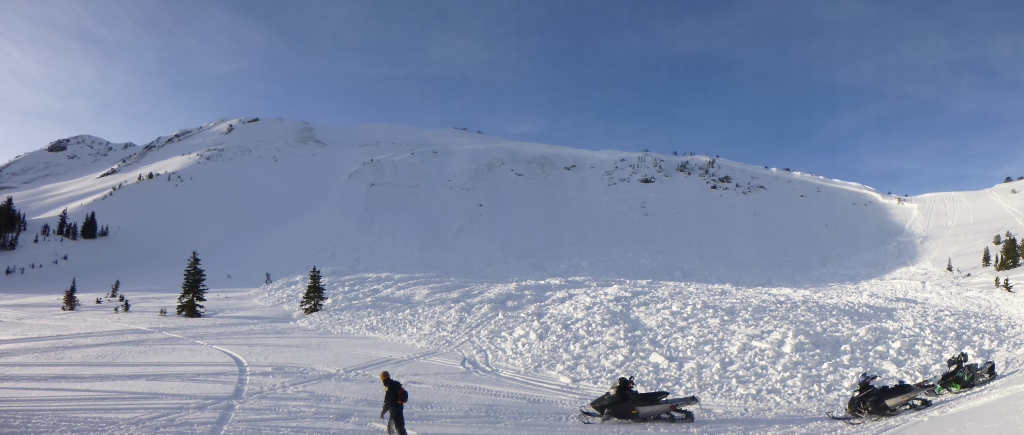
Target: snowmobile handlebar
(956, 360)
(865, 378)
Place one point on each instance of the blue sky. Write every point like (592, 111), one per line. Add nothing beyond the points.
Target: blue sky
(904, 96)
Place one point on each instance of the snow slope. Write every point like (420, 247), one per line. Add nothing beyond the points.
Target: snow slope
(506, 283)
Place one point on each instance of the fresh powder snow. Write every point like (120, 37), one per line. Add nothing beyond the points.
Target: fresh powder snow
(505, 284)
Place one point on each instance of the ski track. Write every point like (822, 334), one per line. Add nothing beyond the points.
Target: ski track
(137, 402)
(963, 228)
(1012, 212)
(240, 386)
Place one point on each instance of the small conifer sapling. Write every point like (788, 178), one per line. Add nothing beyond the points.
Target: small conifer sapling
(71, 297)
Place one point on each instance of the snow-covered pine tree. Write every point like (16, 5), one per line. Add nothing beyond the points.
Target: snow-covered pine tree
(71, 297)
(125, 306)
(949, 265)
(193, 289)
(997, 282)
(115, 288)
(986, 258)
(1006, 284)
(313, 300)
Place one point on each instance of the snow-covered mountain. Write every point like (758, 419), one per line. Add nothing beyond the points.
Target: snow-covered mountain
(763, 290)
(279, 196)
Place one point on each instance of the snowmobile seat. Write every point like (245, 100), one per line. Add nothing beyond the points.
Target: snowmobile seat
(652, 397)
(887, 392)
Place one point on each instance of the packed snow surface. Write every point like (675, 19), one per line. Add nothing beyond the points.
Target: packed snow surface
(505, 284)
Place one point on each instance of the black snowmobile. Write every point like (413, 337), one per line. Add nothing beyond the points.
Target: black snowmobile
(623, 402)
(962, 375)
(869, 401)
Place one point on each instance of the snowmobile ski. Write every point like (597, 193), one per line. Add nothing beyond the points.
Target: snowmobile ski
(848, 419)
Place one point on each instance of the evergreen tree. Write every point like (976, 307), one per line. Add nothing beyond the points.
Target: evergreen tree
(1009, 257)
(986, 258)
(11, 225)
(949, 265)
(71, 297)
(997, 282)
(1006, 284)
(125, 306)
(10, 242)
(73, 231)
(313, 300)
(62, 223)
(45, 231)
(115, 288)
(10, 219)
(1020, 252)
(997, 240)
(193, 289)
(89, 226)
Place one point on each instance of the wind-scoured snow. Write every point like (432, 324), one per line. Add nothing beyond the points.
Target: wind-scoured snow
(504, 283)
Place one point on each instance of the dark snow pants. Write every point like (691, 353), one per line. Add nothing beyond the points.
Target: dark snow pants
(397, 421)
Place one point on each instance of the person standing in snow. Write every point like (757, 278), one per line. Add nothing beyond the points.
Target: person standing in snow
(393, 403)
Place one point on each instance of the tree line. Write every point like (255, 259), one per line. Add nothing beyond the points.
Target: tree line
(193, 292)
(1009, 256)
